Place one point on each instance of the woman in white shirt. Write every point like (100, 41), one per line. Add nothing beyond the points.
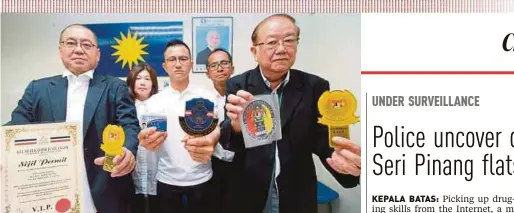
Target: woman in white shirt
(142, 82)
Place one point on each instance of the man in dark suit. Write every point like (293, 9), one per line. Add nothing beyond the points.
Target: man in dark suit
(281, 177)
(81, 95)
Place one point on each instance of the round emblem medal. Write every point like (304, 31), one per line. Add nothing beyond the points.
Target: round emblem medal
(337, 108)
(258, 119)
(198, 117)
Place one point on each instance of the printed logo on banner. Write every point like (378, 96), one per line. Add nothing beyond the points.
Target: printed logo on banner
(124, 45)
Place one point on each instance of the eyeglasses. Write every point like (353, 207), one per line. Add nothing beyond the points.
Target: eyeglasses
(273, 44)
(215, 66)
(182, 59)
(72, 44)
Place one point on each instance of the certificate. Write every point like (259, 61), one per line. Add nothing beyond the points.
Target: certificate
(42, 168)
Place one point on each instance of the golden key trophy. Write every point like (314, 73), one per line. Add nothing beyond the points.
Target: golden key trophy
(337, 109)
(113, 139)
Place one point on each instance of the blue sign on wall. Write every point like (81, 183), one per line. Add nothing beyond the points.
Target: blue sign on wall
(124, 45)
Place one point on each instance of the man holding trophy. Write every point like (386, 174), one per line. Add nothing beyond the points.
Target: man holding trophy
(187, 143)
(274, 121)
(81, 95)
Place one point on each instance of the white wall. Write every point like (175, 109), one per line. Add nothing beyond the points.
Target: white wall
(329, 47)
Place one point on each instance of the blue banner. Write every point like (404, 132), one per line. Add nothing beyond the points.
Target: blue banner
(123, 45)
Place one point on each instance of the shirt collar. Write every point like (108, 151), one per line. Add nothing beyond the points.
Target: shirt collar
(88, 74)
(188, 88)
(282, 83)
(217, 93)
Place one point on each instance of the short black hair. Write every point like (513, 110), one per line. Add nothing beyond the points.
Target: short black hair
(177, 42)
(77, 25)
(220, 50)
(132, 76)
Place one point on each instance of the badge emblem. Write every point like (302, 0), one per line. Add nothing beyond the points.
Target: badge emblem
(113, 138)
(337, 109)
(258, 120)
(198, 119)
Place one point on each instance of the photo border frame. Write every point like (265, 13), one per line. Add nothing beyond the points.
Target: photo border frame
(193, 38)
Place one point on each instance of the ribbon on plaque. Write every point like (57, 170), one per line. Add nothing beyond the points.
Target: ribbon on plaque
(337, 109)
(113, 139)
(198, 119)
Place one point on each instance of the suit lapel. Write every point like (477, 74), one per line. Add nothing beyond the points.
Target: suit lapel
(291, 96)
(57, 93)
(256, 84)
(94, 93)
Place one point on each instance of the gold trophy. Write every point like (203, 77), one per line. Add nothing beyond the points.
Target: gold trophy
(337, 109)
(113, 139)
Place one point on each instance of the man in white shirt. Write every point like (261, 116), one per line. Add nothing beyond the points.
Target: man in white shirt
(184, 162)
(82, 95)
(219, 70)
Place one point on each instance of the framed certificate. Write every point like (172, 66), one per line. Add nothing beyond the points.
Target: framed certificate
(42, 168)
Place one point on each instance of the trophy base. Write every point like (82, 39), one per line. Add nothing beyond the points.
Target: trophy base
(109, 163)
(341, 131)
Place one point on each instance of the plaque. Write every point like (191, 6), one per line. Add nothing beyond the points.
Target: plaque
(198, 119)
(337, 109)
(113, 139)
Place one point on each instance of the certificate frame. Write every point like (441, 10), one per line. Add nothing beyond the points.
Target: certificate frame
(223, 25)
(36, 161)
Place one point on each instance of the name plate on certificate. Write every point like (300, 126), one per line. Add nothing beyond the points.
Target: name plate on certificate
(42, 168)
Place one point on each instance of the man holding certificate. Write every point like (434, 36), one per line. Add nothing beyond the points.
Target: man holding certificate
(272, 120)
(81, 95)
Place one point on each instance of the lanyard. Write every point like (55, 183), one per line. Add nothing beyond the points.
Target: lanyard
(280, 99)
(280, 87)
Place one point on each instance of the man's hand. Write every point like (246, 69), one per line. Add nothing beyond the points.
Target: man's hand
(124, 164)
(346, 159)
(201, 148)
(151, 139)
(234, 106)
